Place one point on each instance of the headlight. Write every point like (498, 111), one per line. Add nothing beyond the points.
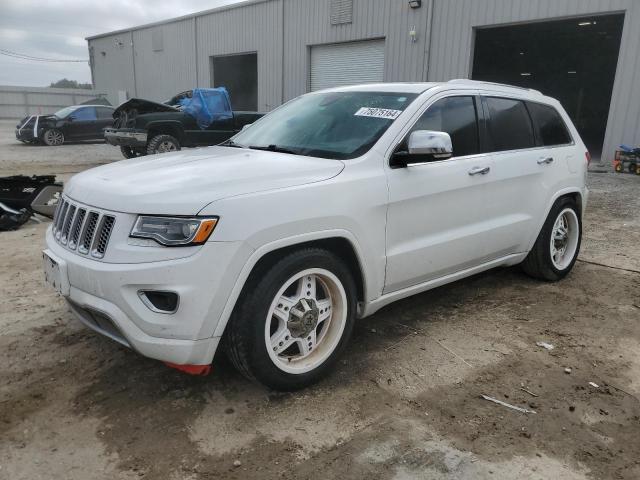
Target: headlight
(174, 231)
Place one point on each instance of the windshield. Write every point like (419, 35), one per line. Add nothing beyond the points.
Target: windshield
(335, 125)
(64, 113)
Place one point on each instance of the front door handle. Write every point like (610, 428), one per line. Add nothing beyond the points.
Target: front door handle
(479, 170)
(545, 160)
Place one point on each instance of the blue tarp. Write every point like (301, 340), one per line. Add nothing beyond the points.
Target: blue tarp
(208, 105)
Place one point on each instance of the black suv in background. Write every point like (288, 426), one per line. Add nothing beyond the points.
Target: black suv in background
(75, 123)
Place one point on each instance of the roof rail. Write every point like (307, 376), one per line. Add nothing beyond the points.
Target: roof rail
(479, 82)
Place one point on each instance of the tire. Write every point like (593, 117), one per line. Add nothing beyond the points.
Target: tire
(541, 263)
(618, 167)
(162, 144)
(53, 137)
(130, 152)
(285, 336)
(638, 169)
(632, 167)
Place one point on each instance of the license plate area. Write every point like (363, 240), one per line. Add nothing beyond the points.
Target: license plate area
(55, 273)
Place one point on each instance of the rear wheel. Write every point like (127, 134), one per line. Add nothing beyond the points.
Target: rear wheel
(632, 167)
(130, 152)
(162, 144)
(618, 167)
(53, 137)
(558, 244)
(293, 320)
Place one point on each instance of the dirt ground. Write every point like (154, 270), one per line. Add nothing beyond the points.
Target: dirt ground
(404, 403)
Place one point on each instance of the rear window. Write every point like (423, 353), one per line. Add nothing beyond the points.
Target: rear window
(104, 112)
(550, 128)
(509, 124)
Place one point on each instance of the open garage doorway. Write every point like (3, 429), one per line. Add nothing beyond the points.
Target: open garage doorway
(239, 75)
(573, 60)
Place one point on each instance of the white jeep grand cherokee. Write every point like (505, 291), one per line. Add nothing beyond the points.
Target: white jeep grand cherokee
(330, 207)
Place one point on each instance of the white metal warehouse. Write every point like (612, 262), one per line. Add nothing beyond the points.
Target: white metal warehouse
(584, 52)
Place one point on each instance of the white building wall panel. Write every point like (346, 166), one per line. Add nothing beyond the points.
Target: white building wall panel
(255, 27)
(113, 64)
(160, 74)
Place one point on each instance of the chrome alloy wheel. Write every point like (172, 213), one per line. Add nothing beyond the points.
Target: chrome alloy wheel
(166, 146)
(306, 320)
(53, 137)
(564, 238)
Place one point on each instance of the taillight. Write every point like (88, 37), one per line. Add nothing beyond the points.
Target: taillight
(588, 157)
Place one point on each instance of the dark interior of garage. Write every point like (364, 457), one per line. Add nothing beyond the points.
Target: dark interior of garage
(573, 60)
(239, 75)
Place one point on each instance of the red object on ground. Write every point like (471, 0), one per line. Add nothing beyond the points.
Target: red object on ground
(201, 370)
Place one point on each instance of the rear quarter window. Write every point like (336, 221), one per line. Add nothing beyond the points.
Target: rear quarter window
(548, 124)
(510, 126)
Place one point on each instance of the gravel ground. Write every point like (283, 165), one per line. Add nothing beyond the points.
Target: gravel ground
(404, 403)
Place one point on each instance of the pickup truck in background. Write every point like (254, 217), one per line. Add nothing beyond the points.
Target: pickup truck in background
(142, 127)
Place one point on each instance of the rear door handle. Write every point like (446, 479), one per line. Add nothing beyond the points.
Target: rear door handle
(479, 170)
(545, 160)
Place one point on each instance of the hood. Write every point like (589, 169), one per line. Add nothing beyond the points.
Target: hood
(143, 106)
(183, 183)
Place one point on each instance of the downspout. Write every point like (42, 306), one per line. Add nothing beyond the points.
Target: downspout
(283, 56)
(133, 61)
(195, 48)
(427, 62)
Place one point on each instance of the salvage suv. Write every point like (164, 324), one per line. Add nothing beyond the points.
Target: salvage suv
(329, 208)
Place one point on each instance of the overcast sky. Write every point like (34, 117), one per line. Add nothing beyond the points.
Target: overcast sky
(57, 28)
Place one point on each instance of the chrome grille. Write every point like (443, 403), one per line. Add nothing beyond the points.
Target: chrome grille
(83, 229)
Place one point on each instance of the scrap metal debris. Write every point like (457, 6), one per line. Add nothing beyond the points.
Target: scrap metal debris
(529, 392)
(546, 345)
(594, 385)
(21, 197)
(508, 405)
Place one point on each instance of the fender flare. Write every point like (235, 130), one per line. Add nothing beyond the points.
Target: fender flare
(164, 125)
(560, 193)
(267, 248)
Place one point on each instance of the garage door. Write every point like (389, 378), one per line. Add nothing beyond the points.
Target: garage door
(346, 64)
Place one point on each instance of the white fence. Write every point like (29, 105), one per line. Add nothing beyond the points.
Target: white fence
(18, 102)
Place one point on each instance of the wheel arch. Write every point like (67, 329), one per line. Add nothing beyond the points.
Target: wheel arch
(341, 243)
(165, 128)
(571, 192)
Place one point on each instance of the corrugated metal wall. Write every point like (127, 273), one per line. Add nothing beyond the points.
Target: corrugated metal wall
(308, 23)
(283, 31)
(18, 102)
(255, 27)
(452, 46)
(161, 74)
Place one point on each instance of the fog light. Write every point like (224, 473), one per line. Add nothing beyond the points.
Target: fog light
(160, 301)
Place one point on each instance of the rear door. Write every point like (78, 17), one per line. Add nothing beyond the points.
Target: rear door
(517, 189)
(437, 223)
(105, 119)
(82, 124)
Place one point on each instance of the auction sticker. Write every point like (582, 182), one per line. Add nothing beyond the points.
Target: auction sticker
(378, 113)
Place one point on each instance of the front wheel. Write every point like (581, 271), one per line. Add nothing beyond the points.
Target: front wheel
(558, 244)
(130, 152)
(293, 320)
(162, 144)
(53, 137)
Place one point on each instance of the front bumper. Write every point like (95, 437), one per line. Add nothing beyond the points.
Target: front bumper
(127, 137)
(105, 297)
(25, 135)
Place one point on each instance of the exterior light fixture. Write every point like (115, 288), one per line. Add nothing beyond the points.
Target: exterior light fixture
(413, 34)
(584, 24)
(415, 3)
(525, 74)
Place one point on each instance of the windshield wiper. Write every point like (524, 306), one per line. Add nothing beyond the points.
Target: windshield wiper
(231, 143)
(273, 148)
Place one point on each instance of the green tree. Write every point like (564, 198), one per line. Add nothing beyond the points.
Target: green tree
(66, 83)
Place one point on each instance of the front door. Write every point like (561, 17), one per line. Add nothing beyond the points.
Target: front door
(437, 223)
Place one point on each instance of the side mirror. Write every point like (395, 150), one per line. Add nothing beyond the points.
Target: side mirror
(70, 118)
(423, 146)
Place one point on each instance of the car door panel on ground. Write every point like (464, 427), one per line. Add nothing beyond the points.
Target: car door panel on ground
(437, 222)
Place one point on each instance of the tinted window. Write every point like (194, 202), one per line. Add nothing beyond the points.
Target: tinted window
(550, 128)
(457, 117)
(104, 112)
(509, 125)
(85, 114)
